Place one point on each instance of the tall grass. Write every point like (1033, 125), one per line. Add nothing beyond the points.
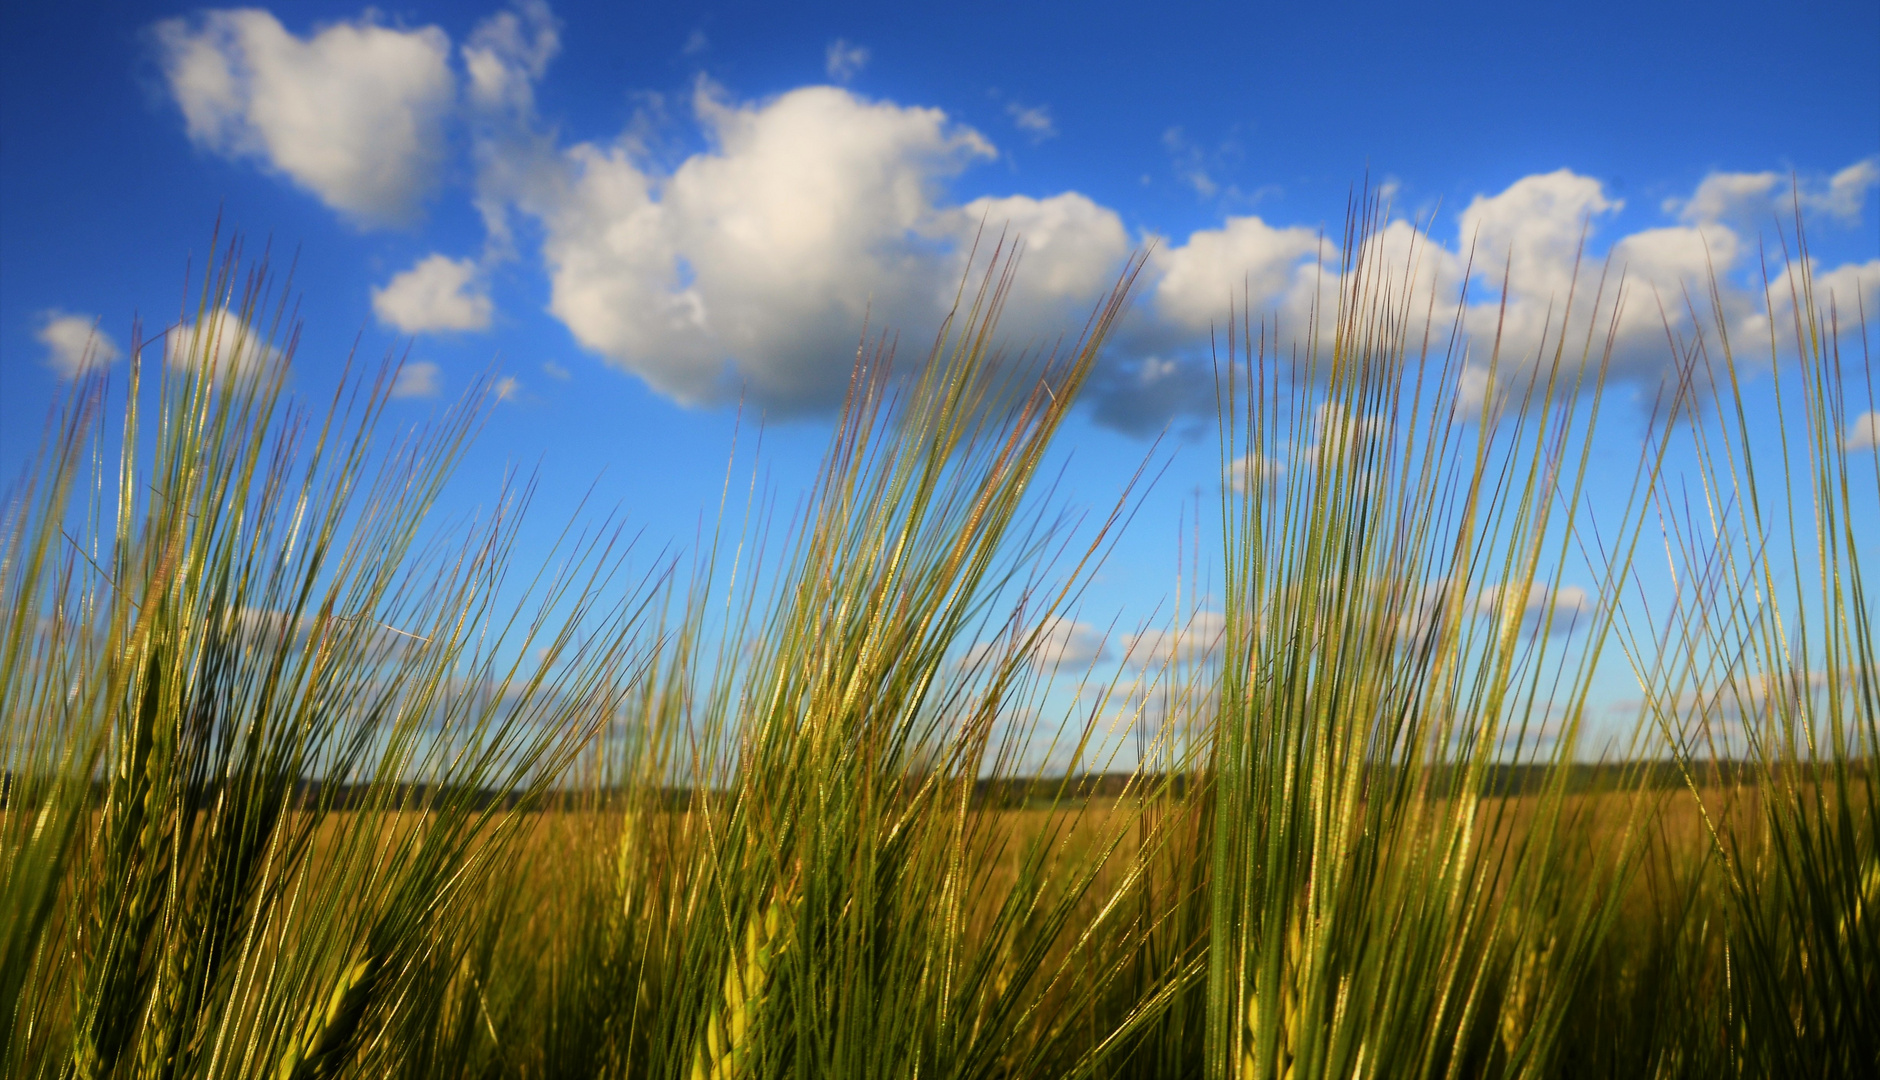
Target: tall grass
(250, 715)
(301, 783)
(1773, 655)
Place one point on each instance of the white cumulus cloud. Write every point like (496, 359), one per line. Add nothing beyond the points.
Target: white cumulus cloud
(74, 344)
(1757, 199)
(1216, 270)
(751, 267)
(1534, 228)
(354, 114)
(1854, 289)
(1072, 249)
(439, 293)
(221, 343)
(1726, 195)
(1847, 189)
(748, 269)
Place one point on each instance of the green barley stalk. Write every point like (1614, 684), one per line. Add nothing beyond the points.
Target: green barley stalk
(1378, 670)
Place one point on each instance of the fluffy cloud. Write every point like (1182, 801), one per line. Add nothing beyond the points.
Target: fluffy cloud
(74, 344)
(1062, 642)
(1068, 643)
(353, 114)
(1534, 228)
(1071, 250)
(1253, 470)
(508, 53)
(751, 267)
(747, 269)
(1218, 270)
(421, 379)
(1726, 195)
(1522, 280)
(1530, 269)
(1847, 189)
(1864, 432)
(220, 342)
(1853, 289)
(1196, 641)
(1571, 604)
(1753, 200)
(439, 293)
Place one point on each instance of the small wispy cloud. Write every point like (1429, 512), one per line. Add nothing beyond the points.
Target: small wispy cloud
(556, 371)
(696, 43)
(421, 379)
(844, 60)
(1187, 160)
(506, 388)
(1201, 167)
(1034, 120)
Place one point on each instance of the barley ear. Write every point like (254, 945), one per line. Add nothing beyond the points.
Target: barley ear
(1291, 976)
(1521, 1000)
(326, 1038)
(729, 1045)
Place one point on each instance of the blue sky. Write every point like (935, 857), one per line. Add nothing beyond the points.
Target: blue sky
(639, 215)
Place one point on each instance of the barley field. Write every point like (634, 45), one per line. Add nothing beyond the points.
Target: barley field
(300, 782)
